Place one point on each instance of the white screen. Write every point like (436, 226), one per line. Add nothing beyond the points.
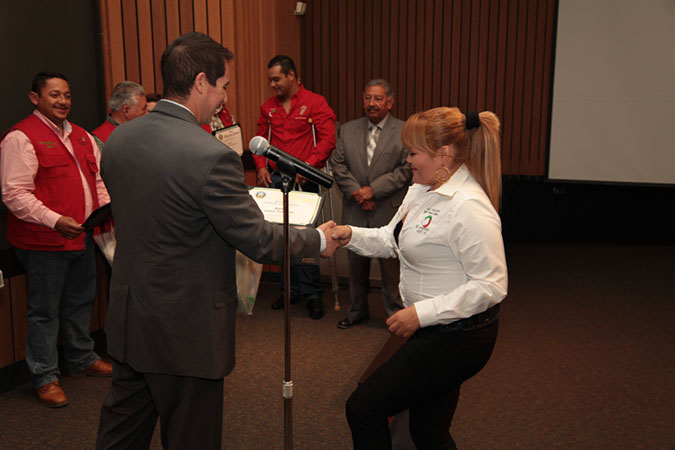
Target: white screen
(613, 116)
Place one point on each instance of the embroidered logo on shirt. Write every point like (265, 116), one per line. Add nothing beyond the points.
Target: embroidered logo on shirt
(426, 221)
(48, 144)
(272, 112)
(303, 109)
(427, 216)
(83, 140)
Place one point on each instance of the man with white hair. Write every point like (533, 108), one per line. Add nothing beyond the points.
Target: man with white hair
(127, 102)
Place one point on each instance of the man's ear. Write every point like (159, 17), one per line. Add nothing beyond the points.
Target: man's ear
(200, 82)
(33, 96)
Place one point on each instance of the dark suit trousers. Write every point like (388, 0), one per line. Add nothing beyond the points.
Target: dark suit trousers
(190, 411)
(305, 279)
(424, 376)
(359, 285)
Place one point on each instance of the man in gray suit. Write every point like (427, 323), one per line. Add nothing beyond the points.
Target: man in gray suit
(181, 209)
(369, 166)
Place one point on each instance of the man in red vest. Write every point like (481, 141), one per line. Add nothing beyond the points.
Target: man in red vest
(49, 169)
(127, 102)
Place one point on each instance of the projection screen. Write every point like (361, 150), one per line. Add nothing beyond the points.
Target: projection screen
(613, 116)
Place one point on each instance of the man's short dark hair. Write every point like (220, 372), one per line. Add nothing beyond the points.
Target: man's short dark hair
(186, 57)
(286, 64)
(40, 79)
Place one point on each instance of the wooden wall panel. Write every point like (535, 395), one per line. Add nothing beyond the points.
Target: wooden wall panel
(136, 32)
(18, 291)
(475, 54)
(6, 333)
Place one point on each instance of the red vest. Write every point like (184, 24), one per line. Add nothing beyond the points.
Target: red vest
(104, 130)
(58, 184)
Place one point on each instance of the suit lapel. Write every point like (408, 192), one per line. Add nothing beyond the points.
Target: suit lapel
(382, 141)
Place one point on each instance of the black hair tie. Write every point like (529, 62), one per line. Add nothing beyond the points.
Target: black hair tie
(472, 120)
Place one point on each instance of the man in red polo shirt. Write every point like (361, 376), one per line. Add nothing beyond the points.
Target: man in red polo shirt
(127, 101)
(50, 176)
(302, 124)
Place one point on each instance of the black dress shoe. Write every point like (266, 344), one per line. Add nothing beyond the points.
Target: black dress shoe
(315, 308)
(279, 303)
(347, 322)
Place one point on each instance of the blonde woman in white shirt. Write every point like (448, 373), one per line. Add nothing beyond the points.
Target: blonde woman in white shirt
(447, 236)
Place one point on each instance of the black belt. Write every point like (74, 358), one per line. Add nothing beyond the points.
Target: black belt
(474, 322)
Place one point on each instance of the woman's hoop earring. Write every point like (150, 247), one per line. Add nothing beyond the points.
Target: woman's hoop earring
(447, 175)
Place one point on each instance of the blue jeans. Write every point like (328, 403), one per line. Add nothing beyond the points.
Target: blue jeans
(61, 289)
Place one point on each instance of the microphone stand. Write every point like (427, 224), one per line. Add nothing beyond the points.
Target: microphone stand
(287, 170)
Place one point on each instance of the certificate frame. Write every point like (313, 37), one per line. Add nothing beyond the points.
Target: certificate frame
(304, 207)
(231, 136)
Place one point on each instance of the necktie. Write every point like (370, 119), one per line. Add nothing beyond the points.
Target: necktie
(372, 142)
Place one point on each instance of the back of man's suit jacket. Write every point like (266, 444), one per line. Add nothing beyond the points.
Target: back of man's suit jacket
(181, 208)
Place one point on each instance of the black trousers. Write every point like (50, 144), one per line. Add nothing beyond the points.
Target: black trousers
(190, 411)
(424, 376)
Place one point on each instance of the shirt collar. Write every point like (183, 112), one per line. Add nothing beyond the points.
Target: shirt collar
(110, 119)
(67, 129)
(294, 97)
(380, 124)
(177, 104)
(456, 181)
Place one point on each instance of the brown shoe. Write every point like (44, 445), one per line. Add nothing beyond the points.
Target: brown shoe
(99, 369)
(52, 395)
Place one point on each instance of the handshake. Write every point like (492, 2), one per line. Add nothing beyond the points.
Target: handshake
(336, 237)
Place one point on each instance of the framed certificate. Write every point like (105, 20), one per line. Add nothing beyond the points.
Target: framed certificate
(232, 137)
(303, 207)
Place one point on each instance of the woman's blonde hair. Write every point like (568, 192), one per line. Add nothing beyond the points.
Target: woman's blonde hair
(478, 147)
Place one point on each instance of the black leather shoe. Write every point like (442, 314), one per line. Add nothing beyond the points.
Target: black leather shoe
(315, 308)
(279, 303)
(347, 322)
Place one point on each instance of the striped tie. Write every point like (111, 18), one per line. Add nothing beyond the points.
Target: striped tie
(372, 142)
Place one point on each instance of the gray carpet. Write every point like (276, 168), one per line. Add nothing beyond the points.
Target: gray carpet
(585, 359)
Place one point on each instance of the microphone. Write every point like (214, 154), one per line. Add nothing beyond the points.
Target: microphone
(261, 147)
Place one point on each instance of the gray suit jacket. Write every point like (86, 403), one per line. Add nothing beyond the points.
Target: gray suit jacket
(388, 174)
(181, 208)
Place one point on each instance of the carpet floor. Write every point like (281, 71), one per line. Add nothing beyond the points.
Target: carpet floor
(585, 359)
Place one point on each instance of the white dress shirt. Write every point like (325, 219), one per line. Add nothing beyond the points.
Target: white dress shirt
(451, 250)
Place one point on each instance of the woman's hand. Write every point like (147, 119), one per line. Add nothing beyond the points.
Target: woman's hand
(405, 322)
(342, 233)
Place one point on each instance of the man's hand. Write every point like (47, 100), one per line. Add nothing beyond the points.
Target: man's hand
(405, 322)
(368, 205)
(263, 177)
(364, 194)
(68, 227)
(331, 243)
(342, 234)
